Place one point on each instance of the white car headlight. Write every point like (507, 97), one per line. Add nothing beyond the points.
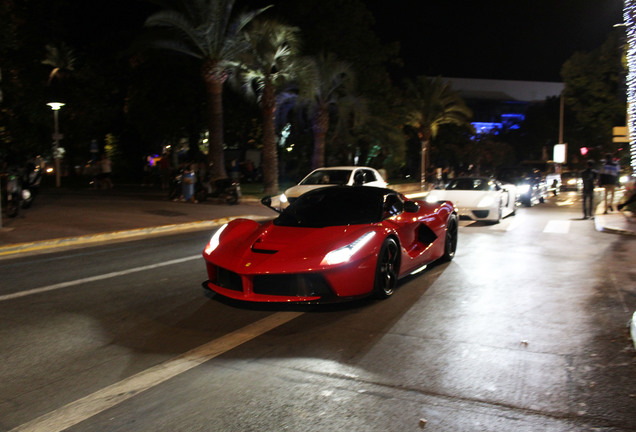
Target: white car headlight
(432, 198)
(523, 189)
(283, 198)
(214, 241)
(344, 254)
(486, 201)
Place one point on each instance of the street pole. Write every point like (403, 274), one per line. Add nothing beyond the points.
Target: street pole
(58, 181)
(55, 106)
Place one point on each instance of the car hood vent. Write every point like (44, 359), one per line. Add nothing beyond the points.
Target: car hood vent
(256, 249)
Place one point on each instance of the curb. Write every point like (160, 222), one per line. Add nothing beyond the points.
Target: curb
(44, 245)
(608, 228)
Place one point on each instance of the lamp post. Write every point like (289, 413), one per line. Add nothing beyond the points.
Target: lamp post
(55, 106)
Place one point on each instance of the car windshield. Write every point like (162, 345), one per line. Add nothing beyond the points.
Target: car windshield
(327, 177)
(476, 184)
(335, 206)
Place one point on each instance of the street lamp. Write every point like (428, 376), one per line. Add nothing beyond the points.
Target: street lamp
(55, 106)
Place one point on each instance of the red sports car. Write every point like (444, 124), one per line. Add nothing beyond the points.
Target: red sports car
(334, 243)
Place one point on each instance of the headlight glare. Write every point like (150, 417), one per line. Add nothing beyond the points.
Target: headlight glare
(344, 254)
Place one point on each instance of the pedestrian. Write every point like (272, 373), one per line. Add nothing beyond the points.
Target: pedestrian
(164, 170)
(106, 169)
(608, 178)
(189, 181)
(555, 187)
(589, 176)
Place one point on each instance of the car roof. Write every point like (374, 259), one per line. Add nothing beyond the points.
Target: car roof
(343, 167)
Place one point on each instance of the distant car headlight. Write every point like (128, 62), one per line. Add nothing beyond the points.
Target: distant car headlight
(572, 181)
(344, 254)
(432, 198)
(214, 241)
(624, 179)
(486, 201)
(523, 189)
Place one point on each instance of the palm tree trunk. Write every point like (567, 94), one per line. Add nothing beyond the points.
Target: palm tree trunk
(320, 126)
(425, 140)
(270, 155)
(214, 86)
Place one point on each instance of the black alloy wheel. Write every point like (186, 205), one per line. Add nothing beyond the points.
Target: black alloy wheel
(450, 244)
(386, 271)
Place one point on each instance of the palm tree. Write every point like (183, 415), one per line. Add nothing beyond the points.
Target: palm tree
(265, 68)
(430, 104)
(205, 30)
(61, 59)
(327, 85)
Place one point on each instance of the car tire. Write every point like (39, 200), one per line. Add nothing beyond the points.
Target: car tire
(450, 242)
(386, 269)
(499, 214)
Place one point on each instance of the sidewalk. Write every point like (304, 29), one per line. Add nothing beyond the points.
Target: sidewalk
(69, 217)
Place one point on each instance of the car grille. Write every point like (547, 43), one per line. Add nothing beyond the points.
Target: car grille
(228, 279)
(481, 213)
(292, 285)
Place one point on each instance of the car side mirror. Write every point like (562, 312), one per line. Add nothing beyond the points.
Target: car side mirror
(267, 202)
(411, 207)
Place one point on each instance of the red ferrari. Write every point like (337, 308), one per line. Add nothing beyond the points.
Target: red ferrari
(334, 243)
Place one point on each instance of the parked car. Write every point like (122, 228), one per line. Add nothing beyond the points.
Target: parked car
(334, 176)
(478, 198)
(331, 244)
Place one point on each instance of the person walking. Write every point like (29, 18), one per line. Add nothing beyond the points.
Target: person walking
(589, 177)
(607, 179)
(106, 171)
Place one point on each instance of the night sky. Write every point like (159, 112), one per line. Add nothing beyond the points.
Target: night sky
(494, 39)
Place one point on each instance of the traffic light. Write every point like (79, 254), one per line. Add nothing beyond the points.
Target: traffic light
(584, 151)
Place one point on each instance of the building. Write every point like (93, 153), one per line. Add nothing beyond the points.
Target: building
(499, 104)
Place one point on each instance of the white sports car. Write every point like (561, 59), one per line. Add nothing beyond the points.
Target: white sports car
(478, 198)
(334, 176)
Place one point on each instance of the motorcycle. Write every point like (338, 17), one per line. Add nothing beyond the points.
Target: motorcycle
(226, 190)
(18, 192)
(31, 179)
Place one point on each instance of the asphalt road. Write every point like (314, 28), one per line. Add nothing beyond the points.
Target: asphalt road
(526, 330)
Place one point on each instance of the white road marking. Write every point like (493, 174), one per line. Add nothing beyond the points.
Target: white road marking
(507, 224)
(96, 278)
(86, 407)
(557, 227)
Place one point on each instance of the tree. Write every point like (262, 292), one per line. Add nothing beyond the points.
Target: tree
(327, 84)
(429, 104)
(61, 59)
(204, 29)
(265, 68)
(592, 89)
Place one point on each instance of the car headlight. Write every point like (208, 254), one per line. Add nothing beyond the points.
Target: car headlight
(283, 198)
(486, 201)
(344, 254)
(572, 181)
(432, 198)
(214, 241)
(523, 189)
